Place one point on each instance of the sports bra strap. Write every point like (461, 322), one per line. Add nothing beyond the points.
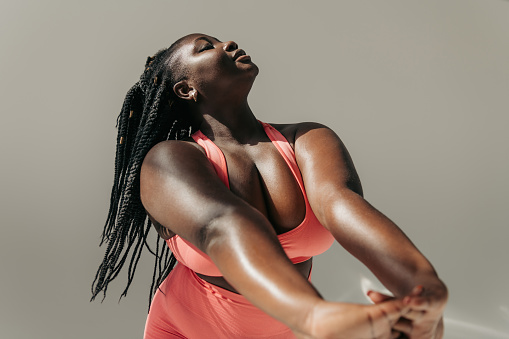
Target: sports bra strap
(286, 151)
(214, 154)
(217, 158)
(300, 243)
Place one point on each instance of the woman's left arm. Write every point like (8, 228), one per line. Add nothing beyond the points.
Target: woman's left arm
(335, 194)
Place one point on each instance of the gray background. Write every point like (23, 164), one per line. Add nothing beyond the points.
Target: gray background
(416, 89)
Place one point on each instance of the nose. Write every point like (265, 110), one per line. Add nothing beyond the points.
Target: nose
(230, 46)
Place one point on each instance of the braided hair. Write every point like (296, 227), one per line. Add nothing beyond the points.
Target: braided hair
(151, 113)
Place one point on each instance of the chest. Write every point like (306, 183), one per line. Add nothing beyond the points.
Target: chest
(260, 175)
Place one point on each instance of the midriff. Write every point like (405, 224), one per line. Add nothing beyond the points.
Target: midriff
(303, 267)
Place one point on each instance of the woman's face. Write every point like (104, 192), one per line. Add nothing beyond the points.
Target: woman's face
(214, 67)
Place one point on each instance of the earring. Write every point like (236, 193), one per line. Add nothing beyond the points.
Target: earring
(195, 96)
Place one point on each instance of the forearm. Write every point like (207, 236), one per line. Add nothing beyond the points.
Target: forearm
(377, 242)
(246, 250)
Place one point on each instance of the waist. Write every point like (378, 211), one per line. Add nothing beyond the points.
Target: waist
(303, 267)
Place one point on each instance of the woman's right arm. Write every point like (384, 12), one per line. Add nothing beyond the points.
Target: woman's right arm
(180, 190)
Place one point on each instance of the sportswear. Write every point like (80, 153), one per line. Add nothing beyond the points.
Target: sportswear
(186, 306)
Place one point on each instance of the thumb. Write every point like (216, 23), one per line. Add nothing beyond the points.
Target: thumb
(378, 297)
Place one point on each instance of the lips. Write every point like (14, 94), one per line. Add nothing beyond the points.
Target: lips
(243, 58)
(240, 55)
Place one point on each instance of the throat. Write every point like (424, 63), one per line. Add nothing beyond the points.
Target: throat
(226, 128)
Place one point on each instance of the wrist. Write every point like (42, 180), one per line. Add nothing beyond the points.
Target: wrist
(308, 323)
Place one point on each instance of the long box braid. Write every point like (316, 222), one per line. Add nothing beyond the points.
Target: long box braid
(151, 113)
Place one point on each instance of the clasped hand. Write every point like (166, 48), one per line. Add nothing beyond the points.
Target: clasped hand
(423, 320)
(416, 316)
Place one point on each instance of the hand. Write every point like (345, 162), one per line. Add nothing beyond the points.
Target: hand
(424, 318)
(347, 321)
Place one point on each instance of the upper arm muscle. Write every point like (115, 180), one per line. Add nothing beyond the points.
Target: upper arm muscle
(325, 163)
(180, 190)
(335, 195)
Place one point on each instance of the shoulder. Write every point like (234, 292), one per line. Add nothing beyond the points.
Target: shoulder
(172, 152)
(294, 131)
(174, 162)
(313, 136)
(323, 157)
(176, 166)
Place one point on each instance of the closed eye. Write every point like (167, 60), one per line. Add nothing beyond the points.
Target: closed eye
(204, 47)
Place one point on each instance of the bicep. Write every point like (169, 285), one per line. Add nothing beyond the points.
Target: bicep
(181, 191)
(335, 196)
(326, 166)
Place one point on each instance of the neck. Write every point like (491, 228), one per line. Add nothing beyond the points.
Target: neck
(234, 122)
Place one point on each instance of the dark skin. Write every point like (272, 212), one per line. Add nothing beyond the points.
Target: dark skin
(238, 228)
(258, 164)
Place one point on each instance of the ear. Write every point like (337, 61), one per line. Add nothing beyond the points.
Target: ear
(184, 91)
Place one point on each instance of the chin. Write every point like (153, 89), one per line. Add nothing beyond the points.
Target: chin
(251, 67)
(250, 73)
(255, 70)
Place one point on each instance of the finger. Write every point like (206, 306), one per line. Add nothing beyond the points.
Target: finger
(417, 290)
(389, 312)
(395, 334)
(384, 315)
(424, 299)
(415, 315)
(403, 326)
(414, 293)
(378, 297)
(418, 303)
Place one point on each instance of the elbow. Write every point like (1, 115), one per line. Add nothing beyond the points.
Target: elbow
(339, 207)
(213, 230)
(231, 227)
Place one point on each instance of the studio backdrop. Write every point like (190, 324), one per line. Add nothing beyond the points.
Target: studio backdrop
(417, 90)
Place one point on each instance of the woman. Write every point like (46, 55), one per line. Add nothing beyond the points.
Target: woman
(226, 192)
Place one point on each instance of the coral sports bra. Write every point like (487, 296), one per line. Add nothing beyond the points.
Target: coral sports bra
(308, 239)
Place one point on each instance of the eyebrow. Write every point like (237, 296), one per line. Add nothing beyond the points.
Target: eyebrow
(206, 39)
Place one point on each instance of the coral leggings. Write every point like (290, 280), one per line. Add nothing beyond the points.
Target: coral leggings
(187, 306)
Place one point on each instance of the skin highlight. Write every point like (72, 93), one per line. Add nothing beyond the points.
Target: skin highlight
(238, 227)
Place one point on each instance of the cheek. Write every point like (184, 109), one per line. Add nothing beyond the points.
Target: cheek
(213, 70)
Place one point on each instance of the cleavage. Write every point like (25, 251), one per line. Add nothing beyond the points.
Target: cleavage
(259, 175)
